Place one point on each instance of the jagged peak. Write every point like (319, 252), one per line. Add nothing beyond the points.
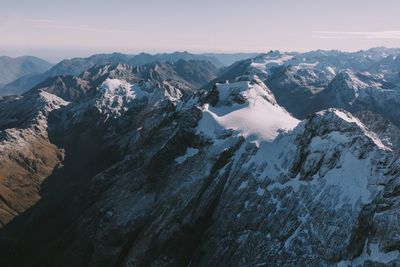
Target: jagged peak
(114, 96)
(39, 101)
(53, 101)
(244, 89)
(274, 53)
(340, 120)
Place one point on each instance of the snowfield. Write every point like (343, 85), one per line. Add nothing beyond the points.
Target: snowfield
(259, 118)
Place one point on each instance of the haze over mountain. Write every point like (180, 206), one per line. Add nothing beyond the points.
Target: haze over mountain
(14, 68)
(75, 66)
(282, 158)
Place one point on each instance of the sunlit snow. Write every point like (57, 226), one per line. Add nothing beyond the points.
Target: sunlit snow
(259, 117)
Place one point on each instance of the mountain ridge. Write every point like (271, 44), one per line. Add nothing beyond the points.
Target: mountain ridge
(12, 68)
(75, 66)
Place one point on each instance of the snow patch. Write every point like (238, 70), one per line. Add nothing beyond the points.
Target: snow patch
(189, 153)
(243, 185)
(331, 70)
(260, 191)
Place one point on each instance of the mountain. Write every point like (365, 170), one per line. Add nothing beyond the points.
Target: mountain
(14, 68)
(26, 115)
(76, 66)
(387, 131)
(228, 59)
(305, 83)
(172, 57)
(364, 91)
(27, 156)
(127, 165)
(190, 74)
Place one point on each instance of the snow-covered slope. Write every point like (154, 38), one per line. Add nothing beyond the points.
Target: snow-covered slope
(246, 106)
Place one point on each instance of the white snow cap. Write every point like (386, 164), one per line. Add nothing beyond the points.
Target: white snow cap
(116, 94)
(246, 106)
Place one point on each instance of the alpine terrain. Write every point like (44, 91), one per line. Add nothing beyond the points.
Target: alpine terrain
(282, 159)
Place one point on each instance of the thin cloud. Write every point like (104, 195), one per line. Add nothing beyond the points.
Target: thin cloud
(51, 24)
(371, 35)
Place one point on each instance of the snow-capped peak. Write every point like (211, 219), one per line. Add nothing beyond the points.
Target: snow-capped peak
(52, 101)
(246, 106)
(244, 89)
(115, 95)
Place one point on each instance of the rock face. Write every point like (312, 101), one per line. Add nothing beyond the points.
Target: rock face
(27, 156)
(146, 170)
(387, 131)
(357, 92)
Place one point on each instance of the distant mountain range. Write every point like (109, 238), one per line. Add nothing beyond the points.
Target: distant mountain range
(25, 81)
(14, 68)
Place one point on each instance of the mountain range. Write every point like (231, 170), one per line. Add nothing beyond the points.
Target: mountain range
(21, 82)
(14, 68)
(281, 159)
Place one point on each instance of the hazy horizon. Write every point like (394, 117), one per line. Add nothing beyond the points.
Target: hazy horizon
(83, 54)
(54, 30)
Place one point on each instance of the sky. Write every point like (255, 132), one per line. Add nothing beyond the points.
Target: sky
(54, 29)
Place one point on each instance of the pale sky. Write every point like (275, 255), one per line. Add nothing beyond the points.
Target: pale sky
(55, 29)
